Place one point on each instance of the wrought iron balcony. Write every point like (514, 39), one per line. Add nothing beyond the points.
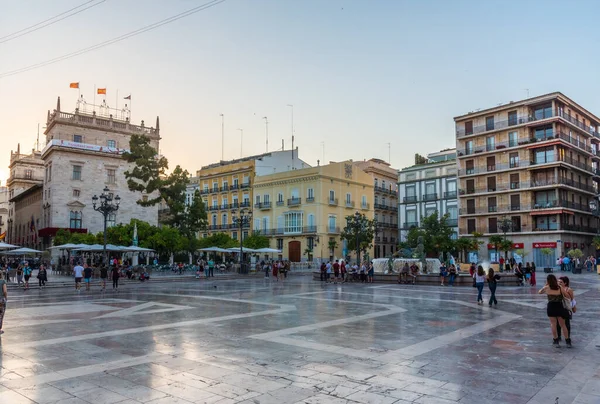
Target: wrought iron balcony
(294, 201)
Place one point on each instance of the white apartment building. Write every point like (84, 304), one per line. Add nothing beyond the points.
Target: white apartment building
(426, 188)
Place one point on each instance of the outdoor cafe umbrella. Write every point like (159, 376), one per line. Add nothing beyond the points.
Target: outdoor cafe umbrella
(22, 251)
(68, 246)
(5, 246)
(214, 249)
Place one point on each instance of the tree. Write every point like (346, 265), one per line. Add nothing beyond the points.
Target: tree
(496, 240)
(256, 241)
(62, 236)
(359, 233)
(148, 176)
(596, 242)
(149, 170)
(167, 240)
(332, 244)
(221, 240)
(436, 234)
(506, 246)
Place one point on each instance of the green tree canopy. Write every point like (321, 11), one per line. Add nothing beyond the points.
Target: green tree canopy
(436, 233)
(256, 241)
(221, 240)
(359, 228)
(148, 175)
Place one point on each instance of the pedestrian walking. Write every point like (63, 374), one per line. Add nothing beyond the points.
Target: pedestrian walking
(103, 276)
(564, 282)
(209, 268)
(555, 310)
(3, 300)
(370, 272)
(492, 283)
(87, 276)
(275, 269)
(533, 281)
(478, 282)
(323, 271)
(343, 271)
(328, 271)
(116, 274)
(42, 276)
(265, 268)
(78, 271)
(27, 274)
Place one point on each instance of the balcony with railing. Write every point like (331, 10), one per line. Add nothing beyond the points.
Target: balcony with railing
(234, 186)
(263, 205)
(214, 189)
(309, 229)
(384, 239)
(483, 169)
(225, 206)
(409, 225)
(430, 197)
(333, 202)
(365, 205)
(245, 185)
(280, 203)
(383, 190)
(333, 230)
(533, 207)
(245, 204)
(532, 184)
(294, 201)
(224, 188)
(310, 199)
(410, 199)
(349, 204)
(204, 191)
(234, 205)
(450, 195)
(213, 207)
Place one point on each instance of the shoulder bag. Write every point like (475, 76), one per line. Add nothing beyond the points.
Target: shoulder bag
(566, 302)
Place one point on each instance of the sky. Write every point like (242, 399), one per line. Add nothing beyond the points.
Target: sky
(360, 74)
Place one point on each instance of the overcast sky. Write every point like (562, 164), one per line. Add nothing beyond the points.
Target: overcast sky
(359, 73)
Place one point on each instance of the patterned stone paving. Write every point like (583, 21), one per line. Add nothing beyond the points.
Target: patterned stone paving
(298, 341)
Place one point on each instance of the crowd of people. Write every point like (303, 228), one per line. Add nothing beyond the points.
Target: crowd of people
(339, 272)
(278, 269)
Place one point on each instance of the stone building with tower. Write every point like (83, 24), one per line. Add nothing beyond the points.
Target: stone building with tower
(82, 156)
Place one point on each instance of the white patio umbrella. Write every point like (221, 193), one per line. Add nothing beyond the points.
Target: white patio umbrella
(268, 250)
(244, 249)
(134, 248)
(68, 246)
(5, 246)
(214, 249)
(22, 251)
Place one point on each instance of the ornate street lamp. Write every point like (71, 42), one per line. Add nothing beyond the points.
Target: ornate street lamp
(240, 221)
(106, 207)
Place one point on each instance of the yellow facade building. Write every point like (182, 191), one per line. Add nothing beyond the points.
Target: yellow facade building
(303, 211)
(226, 186)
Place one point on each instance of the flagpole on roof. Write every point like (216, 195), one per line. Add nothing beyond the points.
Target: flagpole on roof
(94, 104)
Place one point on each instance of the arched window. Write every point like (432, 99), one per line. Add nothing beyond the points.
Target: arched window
(214, 220)
(224, 219)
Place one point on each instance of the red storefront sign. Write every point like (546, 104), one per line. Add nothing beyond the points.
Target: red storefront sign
(544, 245)
(567, 244)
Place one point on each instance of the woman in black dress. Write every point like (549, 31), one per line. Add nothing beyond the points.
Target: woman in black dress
(555, 310)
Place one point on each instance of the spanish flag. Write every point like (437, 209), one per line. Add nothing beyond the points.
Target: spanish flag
(102, 91)
(74, 85)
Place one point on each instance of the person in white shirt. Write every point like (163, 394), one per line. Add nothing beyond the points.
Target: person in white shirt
(78, 271)
(328, 272)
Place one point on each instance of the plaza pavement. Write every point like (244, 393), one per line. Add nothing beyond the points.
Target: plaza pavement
(259, 342)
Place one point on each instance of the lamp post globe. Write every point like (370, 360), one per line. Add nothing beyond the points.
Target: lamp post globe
(104, 204)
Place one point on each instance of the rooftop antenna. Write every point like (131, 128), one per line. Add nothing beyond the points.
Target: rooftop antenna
(527, 91)
(292, 107)
(222, 137)
(37, 142)
(389, 145)
(267, 132)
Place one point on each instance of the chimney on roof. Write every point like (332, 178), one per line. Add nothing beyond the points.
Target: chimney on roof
(157, 124)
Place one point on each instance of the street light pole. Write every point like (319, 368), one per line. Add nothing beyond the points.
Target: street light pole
(241, 221)
(357, 226)
(106, 207)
